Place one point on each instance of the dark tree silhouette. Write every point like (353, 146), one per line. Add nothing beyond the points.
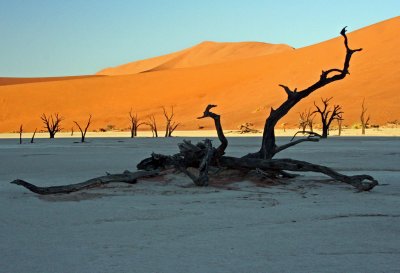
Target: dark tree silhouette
(306, 118)
(135, 123)
(340, 124)
(153, 125)
(327, 115)
(52, 123)
(363, 118)
(247, 127)
(84, 131)
(20, 134)
(170, 124)
(33, 136)
(205, 157)
(268, 145)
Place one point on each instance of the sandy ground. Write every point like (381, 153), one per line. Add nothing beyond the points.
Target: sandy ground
(167, 225)
(389, 132)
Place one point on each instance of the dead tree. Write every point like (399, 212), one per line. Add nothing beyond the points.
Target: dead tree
(134, 123)
(170, 124)
(52, 124)
(84, 131)
(284, 126)
(247, 128)
(340, 124)
(20, 134)
(33, 136)
(306, 119)
(268, 146)
(363, 118)
(327, 115)
(206, 158)
(153, 125)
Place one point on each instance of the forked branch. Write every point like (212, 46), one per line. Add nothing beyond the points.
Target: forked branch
(217, 121)
(84, 131)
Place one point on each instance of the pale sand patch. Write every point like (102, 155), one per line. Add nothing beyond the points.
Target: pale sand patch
(309, 224)
(207, 133)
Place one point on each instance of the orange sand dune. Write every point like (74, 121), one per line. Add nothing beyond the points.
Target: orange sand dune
(201, 54)
(244, 89)
(12, 80)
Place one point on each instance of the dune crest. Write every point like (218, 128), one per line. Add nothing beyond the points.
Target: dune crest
(202, 54)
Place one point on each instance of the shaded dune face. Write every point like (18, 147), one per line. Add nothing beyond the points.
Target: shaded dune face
(241, 78)
(10, 81)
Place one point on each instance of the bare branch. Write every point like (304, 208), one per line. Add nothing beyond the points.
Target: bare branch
(290, 144)
(288, 91)
(33, 136)
(125, 177)
(20, 134)
(218, 127)
(153, 125)
(83, 132)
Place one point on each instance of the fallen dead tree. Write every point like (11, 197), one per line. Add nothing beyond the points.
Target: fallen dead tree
(125, 177)
(206, 160)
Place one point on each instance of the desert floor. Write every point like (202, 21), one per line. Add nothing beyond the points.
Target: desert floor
(312, 224)
(384, 132)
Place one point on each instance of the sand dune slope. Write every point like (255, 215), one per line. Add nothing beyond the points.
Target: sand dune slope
(244, 89)
(201, 54)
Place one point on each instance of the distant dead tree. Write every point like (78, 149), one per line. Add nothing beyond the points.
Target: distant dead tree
(327, 115)
(20, 134)
(153, 125)
(83, 131)
(72, 131)
(363, 118)
(33, 136)
(247, 128)
(306, 119)
(52, 123)
(284, 126)
(340, 123)
(170, 124)
(134, 123)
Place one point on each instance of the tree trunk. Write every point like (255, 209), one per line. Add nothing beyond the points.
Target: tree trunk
(325, 129)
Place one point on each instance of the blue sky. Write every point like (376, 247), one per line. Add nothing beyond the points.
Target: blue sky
(75, 37)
